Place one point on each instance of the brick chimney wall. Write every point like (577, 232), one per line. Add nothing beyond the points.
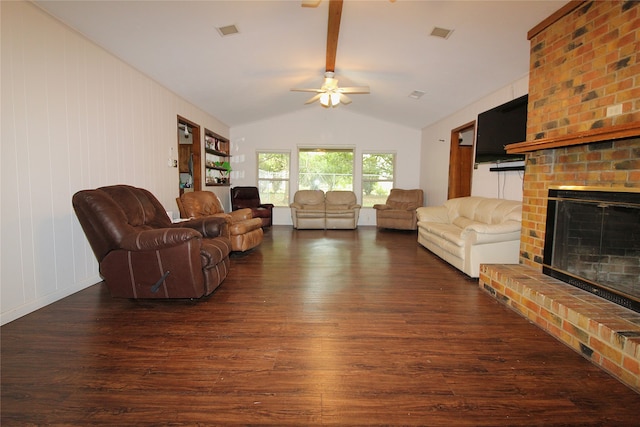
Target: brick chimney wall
(581, 64)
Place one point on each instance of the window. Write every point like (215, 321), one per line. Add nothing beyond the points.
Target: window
(378, 173)
(273, 177)
(325, 169)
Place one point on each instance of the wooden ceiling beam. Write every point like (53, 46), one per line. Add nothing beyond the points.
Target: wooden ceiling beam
(333, 30)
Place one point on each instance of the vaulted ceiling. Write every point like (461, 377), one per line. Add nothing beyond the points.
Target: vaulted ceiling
(386, 45)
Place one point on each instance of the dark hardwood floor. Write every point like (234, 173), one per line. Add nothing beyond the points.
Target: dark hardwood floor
(312, 327)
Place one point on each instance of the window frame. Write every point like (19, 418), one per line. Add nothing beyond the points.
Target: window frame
(328, 148)
(287, 181)
(364, 181)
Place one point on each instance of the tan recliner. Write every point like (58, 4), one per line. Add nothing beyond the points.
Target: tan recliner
(245, 231)
(399, 211)
(308, 210)
(341, 210)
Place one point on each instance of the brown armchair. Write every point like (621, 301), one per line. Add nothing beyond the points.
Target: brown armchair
(399, 211)
(141, 254)
(249, 197)
(244, 231)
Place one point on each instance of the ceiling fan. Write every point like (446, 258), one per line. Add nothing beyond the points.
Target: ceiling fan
(330, 94)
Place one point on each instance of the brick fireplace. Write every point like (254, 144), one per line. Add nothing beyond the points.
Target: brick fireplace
(583, 129)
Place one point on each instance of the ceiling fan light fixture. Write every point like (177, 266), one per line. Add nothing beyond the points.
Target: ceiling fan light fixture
(330, 99)
(335, 99)
(325, 99)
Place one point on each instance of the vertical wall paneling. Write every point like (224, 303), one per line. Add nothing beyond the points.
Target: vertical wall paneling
(73, 117)
(11, 246)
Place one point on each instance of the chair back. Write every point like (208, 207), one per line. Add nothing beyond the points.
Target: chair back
(108, 214)
(405, 199)
(244, 197)
(197, 204)
(309, 197)
(346, 199)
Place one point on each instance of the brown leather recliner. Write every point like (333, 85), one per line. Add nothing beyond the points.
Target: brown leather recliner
(244, 231)
(399, 211)
(249, 197)
(141, 254)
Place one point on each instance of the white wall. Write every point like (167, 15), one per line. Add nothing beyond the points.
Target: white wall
(436, 142)
(73, 117)
(316, 126)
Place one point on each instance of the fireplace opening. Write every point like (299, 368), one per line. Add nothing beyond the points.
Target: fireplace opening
(592, 241)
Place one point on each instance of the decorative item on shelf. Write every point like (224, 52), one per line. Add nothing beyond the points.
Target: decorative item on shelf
(214, 144)
(225, 170)
(209, 142)
(209, 178)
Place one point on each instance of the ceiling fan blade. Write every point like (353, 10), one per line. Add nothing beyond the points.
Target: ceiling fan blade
(313, 99)
(333, 29)
(344, 99)
(306, 90)
(354, 89)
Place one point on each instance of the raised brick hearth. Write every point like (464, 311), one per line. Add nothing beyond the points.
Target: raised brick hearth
(601, 331)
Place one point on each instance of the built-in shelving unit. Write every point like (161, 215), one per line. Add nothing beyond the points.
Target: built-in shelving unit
(189, 155)
(216, 162)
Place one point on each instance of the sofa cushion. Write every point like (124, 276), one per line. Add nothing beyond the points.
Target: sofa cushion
(405, 206)
(448, 232)
(337, 207)
(346, 198)
(484, 210)
(462, 222)
(442, 243)
(318, 207)
(309, 197)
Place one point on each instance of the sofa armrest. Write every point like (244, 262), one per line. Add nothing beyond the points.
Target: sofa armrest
(240, 215)
(207, 226)
(433, 214)
(158, 238)
(381, 207)
(479, 233)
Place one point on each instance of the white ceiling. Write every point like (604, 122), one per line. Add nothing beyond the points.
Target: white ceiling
(386, 45)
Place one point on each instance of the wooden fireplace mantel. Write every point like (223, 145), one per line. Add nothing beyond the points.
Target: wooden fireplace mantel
(626, 130)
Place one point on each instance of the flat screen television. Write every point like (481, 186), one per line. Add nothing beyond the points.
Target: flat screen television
(500, 126)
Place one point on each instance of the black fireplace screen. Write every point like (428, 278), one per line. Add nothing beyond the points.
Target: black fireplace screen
(593, 242)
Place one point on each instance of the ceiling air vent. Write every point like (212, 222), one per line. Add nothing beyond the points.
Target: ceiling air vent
(416, 94)
(443, 33)
(228, 30)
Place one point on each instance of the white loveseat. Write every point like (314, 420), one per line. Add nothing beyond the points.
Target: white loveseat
(469, 231)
